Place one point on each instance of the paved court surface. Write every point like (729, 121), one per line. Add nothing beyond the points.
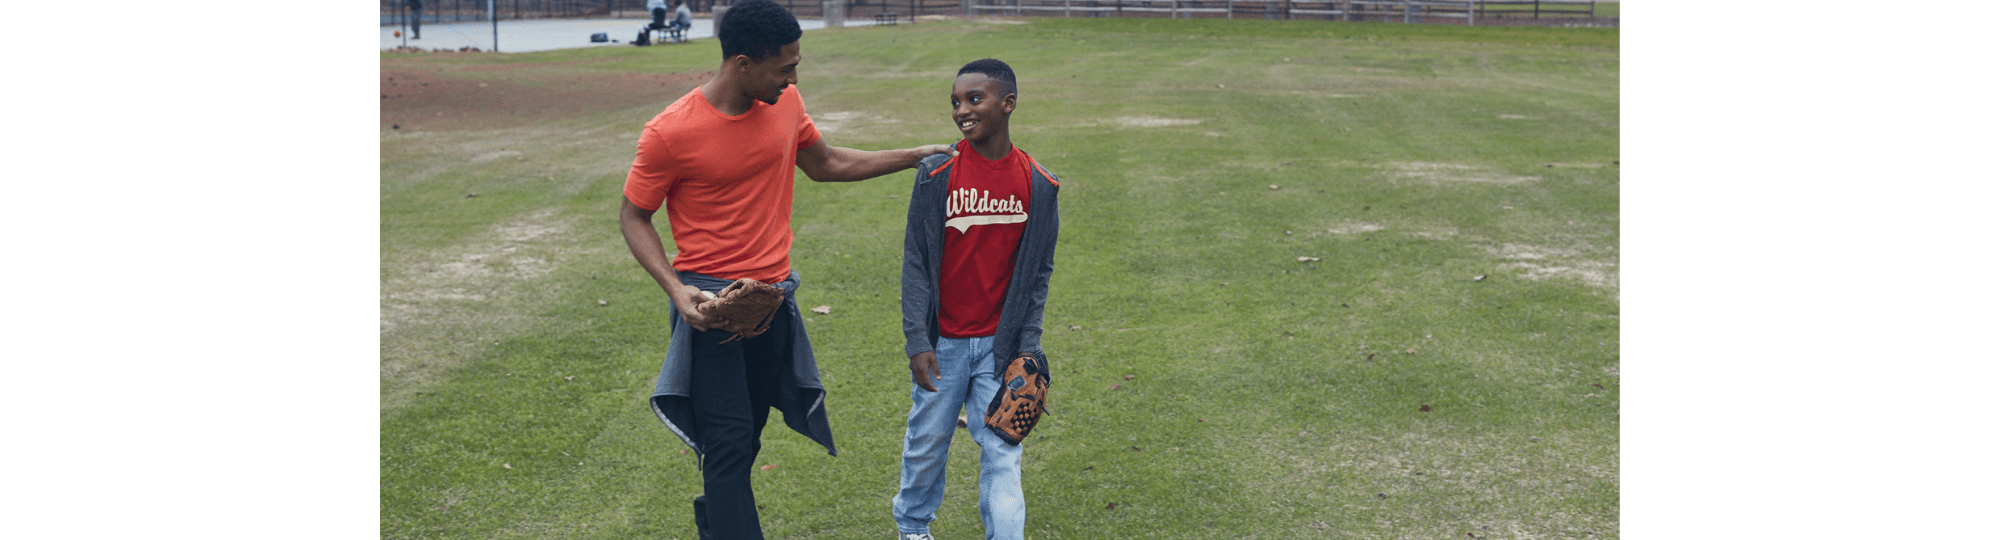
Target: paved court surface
(549, 34)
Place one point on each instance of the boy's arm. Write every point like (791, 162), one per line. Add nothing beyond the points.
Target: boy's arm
(825, 163)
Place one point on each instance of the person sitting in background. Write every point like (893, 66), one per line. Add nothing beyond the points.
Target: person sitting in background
(683, 19)
(659, 10)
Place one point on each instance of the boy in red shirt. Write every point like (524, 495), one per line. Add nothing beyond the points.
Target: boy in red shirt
(977, 255)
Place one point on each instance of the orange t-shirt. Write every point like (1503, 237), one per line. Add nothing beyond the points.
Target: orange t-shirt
(726, 182)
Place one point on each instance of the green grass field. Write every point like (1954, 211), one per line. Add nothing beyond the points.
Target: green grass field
(1458, 187)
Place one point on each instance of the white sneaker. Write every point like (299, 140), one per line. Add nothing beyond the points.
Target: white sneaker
(923, 536)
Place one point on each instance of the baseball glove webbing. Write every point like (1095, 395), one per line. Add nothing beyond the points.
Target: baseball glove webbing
(1022, 399)
(744, 308)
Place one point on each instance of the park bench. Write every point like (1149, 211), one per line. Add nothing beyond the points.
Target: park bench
(887, 17)
(670, 34)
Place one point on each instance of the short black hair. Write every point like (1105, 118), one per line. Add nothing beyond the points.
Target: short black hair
(992, 68)
(756, 28)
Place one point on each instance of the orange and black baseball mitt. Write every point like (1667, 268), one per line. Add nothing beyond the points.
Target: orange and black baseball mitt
(1022, 399)
(744, 308)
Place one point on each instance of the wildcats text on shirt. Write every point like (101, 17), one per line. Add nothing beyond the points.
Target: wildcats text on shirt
(973, 201)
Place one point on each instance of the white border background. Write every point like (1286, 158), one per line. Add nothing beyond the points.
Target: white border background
(1807, 295)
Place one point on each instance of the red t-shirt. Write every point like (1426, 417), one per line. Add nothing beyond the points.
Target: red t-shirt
(726, 182)
(986, 209)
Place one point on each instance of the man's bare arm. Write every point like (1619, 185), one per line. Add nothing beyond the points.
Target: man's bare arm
(637, 225)
(824, 163)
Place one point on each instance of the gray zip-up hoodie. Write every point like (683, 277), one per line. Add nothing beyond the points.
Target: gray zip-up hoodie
(1020, 329)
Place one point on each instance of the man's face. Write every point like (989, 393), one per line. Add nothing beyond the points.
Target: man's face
(766, 79)
(980, 106)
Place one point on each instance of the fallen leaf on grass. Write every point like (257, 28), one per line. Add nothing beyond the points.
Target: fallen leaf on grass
(767, 467)
(1090, 467)
(823, 310)
(961, 421)
(1274, 186)
(1371, 356)
(1136, 449)
(1424, 408)
(1308, 259)
(603, 302)
(1112, 506)
(1481, 277)
(1116, 386)
(1409, 351)
(1129, 377)
(1074, 328)
(507, 465)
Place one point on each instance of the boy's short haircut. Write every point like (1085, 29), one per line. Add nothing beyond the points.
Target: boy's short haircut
(756, 28)
(992, 68)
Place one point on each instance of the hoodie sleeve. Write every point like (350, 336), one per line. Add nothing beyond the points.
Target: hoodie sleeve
(919, 274)
(1038, 294)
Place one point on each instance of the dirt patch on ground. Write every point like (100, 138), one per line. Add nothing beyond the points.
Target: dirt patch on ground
(426, 96)
(1131, 122)
(1440, 173)
(848, 122)
(1543, 262)
(1353, 227)
(439, 307)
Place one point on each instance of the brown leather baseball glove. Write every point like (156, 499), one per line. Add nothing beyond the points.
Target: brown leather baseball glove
(1022, 399)
(744, 308)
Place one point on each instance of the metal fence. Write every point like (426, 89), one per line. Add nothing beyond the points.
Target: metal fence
(437, 11)
(396, 12)
(1470, 12)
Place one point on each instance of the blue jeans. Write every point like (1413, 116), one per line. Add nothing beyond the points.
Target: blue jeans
(968, 381)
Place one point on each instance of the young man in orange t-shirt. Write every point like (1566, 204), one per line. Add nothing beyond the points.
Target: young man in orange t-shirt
(719, 161)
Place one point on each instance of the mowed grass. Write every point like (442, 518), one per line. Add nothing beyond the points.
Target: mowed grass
(1457, 186)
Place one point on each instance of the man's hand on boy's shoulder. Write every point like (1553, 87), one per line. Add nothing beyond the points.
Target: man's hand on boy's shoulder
(924, 369)
(928, 149)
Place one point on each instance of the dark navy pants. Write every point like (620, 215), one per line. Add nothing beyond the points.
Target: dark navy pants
(735, 387)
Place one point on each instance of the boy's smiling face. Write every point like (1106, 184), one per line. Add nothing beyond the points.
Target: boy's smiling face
(980, 106)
